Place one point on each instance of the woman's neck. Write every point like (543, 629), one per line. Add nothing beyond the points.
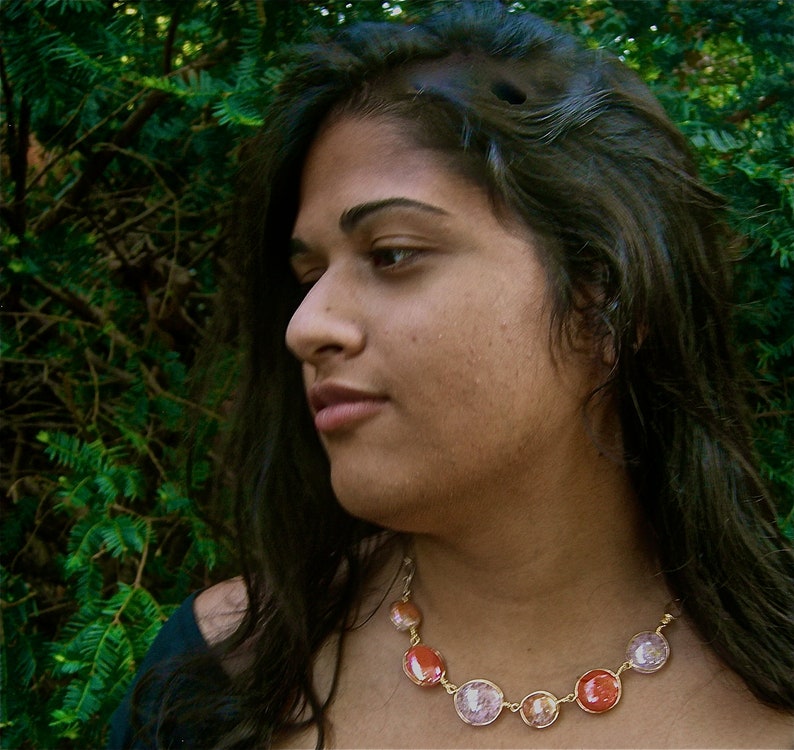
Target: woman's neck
(575, 571)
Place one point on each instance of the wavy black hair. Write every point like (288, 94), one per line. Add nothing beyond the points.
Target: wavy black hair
(573, 144)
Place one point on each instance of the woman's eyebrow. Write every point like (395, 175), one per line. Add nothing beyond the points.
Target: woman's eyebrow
(353, 216)
(297, 248)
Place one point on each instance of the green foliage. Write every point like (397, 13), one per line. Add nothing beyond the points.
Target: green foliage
(120, 133)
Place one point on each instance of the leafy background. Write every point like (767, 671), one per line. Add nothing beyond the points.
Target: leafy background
(121, 128)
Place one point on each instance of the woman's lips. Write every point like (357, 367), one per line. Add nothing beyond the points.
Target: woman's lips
(337, 406)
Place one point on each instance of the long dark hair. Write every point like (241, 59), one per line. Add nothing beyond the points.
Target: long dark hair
(571, 142)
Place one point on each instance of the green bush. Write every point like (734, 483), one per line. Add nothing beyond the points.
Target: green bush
(120, 135)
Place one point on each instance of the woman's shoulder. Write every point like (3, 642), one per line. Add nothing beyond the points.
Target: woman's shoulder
(219, 610)
(180, 639)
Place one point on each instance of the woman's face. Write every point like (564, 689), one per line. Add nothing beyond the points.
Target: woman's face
(424, 334)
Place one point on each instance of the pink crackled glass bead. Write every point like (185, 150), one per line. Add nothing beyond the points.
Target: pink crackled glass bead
(479, 702)
(647, 652)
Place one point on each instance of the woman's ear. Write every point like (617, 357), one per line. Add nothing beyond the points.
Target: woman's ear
(592, 329)
(609, 351)
(598, 323)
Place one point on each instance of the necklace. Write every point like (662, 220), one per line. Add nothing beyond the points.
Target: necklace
(479, 702)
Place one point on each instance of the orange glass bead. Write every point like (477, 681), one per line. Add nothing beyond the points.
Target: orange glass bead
(423, 665)
(404, 615)
(597, 691)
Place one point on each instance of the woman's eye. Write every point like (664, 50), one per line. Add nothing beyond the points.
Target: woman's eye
(389, 257)
(307, 280)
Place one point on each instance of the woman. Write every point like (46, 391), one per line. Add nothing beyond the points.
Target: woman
(489, 377)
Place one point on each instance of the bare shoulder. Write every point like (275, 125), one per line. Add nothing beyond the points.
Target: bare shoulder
(220, 609)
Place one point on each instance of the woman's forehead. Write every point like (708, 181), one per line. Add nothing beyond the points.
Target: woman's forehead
(369, 149)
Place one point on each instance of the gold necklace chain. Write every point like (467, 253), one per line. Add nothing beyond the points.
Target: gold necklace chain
(479, 702)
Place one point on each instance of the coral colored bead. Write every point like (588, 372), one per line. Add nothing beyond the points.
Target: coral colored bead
(598, 690)
(405, 615)
(539, 709)
(423, 665)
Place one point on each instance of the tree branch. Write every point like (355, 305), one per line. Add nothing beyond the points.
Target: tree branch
(168, 49)
(17, 138)
(762, 103)
(100, 160)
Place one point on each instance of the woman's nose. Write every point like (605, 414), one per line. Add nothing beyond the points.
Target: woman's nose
(326, 324)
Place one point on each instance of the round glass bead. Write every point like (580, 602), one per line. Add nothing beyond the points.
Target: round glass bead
(539, 709)
(478, 702)
(647, 652)
(423, 665)
(597, 691)
(404, 615)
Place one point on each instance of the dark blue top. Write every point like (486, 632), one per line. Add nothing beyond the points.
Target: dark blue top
(178, 638)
